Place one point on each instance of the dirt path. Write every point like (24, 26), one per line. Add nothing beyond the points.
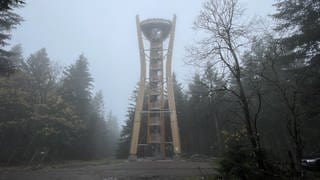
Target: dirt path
(126, 170)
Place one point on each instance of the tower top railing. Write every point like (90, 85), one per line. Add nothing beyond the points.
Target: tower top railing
(156, 29)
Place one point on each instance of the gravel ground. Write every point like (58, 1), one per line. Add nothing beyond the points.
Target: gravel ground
(166, 169)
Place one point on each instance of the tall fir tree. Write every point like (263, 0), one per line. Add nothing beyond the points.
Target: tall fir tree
(76, 91)
(8, 21)
(77, 86)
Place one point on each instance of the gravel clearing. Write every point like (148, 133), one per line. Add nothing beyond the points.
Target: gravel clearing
(165, 169)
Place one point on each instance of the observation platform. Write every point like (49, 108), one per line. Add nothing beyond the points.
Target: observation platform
(156, 29)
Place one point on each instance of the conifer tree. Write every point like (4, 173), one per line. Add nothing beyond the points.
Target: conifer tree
(8, 21)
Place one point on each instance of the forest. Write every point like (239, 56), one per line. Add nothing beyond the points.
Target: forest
(48, 109)
(254, 103)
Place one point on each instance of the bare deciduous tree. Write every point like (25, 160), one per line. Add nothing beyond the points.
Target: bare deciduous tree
(227, 36)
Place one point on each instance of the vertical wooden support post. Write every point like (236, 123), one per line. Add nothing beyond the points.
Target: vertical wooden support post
(140, 97)
(171, 102)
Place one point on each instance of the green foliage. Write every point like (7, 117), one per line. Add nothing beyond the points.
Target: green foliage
(125, 139)
(14, 117)
(113, 134)
(300, 20)
(239, 160)
(8, 21)
(10, 4)
(40, 75)
(126, 130)
(280, 82)
(77, 85)
(238, 163)
(302, 45)
(60, 119)
(55, 125)
(76, 88)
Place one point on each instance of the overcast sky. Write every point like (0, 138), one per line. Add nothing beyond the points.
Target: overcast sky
(105, 32)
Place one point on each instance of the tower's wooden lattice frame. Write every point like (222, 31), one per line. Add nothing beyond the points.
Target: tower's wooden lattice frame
(157, 81)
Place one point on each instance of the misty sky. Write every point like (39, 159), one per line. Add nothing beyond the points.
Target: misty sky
(105, 32)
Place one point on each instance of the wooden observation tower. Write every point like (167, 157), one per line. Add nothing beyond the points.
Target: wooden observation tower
(158, 88)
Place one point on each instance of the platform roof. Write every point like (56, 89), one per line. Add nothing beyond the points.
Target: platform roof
(150, 26)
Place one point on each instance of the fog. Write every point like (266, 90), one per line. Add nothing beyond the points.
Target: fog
(105, 32)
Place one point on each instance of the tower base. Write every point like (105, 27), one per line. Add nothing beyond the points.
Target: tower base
(176, 157)
(132, 158)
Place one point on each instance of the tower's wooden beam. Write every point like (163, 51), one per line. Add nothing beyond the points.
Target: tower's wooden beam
(171, 102)
(139, 102)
